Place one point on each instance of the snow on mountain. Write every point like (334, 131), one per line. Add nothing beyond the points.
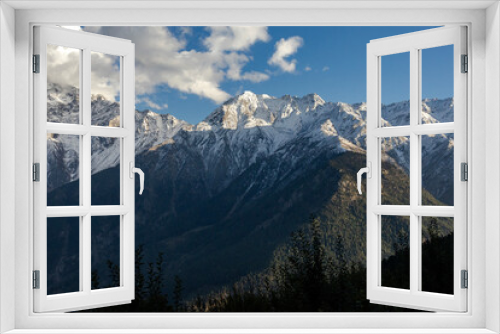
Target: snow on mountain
(244, 129)
(62, 150)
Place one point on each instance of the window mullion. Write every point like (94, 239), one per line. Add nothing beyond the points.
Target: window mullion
(414, 170)
(86, 174)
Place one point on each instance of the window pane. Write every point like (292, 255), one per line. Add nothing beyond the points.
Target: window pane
(106, 171)
(63, 84)
(395, 171)
(437, 84)
(395, 252)
(437, 255)
(437, 169)
(395, 89)
(63, 255)
(63, 170)
(105, 89)
(105, 252)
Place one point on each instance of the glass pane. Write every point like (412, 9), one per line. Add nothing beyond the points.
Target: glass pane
(105, 252)
(395, 170)
(63, 255)
(437, 255)
(63, 84)
(395, 252)
(63, 170)
(395, 89)
(105, 171)
(437, 84)
(105, 89)
(437, 169)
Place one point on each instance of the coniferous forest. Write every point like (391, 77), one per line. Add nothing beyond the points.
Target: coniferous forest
(303, 277)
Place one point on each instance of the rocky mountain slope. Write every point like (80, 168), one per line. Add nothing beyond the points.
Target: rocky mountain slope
(244, 129)
(222, 195)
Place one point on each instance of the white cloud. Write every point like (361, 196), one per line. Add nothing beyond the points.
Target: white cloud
(284, 48)
(146, 100)
(307, 68)
(235, 38)
(162, 58)
(235, 62)
(63, 68)
(186, 31)
(326, 68)
(63, 65)
(105, 76)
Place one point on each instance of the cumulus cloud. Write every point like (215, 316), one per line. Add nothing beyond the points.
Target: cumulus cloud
(235, 62)
(326, 68)
(105, 75)
(235, 38)
(153, 105)
(162, 58)
(307, 68)
(285, 48)
(63, 68)
(63, 65)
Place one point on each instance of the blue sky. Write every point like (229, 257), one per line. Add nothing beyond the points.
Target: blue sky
(189, 71)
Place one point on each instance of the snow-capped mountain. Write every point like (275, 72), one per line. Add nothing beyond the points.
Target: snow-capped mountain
(244, 129)
(221, 196)
(62, 150)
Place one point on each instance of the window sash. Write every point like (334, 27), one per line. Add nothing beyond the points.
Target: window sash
(86, 297)
(413, 43)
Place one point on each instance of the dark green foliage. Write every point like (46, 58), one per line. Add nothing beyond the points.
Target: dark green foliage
(303, 278)
(437, 258)
(114, 273)
(139, 276)
(178, 288)
(149, 288)
(95, 280)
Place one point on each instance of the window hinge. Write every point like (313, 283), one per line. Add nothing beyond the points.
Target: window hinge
(465, 64)
(36, 279)
(36, 63)
(465, 279)
(464, 171)
(36, 172)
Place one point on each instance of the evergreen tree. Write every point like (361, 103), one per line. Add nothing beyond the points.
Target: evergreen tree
(178, 288)
(95, 280)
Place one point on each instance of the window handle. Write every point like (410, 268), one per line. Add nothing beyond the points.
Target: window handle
(368, 171)
(141, 176)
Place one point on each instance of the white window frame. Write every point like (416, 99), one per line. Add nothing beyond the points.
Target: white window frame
(414, 43)
(85, 298)
(484, 49)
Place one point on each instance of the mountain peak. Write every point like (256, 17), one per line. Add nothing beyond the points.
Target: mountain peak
(248, 93)
(313, 97)
(248, 109)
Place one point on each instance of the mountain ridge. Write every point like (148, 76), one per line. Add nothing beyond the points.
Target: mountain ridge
(245, 128)
(220, 196)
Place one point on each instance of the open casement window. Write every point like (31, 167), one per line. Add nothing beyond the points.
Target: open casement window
(69, 205)
(417, 242)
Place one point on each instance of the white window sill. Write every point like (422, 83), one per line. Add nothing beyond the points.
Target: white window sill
(251, 331)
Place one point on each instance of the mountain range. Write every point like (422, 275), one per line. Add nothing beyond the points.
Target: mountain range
(223, 195)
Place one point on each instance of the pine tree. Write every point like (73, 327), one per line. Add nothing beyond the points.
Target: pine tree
(139, 276)
(95, 280)
(114, 274)
(178, 288)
